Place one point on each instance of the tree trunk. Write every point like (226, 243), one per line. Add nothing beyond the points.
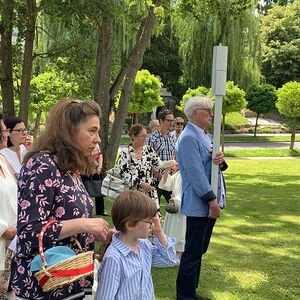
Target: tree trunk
(37, 123)
(103, 75)
(31, 11)
(132, 66)
(256, 122)
(293, 135)
(6, 77)
(223, 130)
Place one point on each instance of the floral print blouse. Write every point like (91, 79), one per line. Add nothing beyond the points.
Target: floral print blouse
(45, 193)
(134, 170)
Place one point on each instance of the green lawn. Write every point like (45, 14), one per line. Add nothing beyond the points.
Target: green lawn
(262, 153)
(240, 138)
(255, 249)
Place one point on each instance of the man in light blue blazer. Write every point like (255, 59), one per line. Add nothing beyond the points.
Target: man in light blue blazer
(199, 203)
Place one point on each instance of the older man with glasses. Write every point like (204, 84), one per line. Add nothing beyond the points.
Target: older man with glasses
(199, 203)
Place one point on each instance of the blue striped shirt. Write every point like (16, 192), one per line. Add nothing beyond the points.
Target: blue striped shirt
(125, 275)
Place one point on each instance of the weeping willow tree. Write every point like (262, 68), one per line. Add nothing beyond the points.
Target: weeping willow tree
(200, 25)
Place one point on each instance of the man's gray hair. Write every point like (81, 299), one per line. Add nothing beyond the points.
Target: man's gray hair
(153, 123)
(195, 102)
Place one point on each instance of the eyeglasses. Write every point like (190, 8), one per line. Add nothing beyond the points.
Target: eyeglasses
(5, 131)
(147, 222)
(168, 120)
(209, 110)
(20, 130)
(179, 123)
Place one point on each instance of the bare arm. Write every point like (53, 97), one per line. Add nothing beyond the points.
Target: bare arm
(96, 226)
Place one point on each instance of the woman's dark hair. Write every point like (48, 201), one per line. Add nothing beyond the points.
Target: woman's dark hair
(135, 130)
(57, 138)
(10, 124)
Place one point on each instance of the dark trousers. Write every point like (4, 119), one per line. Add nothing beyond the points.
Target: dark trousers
(99, 201)
(198, 234)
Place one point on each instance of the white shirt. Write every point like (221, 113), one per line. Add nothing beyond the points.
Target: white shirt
(8, 205)
(13, 159)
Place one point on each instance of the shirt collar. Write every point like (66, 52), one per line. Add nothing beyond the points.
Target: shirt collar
(200, 130)
(124, 249)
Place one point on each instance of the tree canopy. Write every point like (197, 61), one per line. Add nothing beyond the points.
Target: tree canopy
(280, 34)
(288, 104)
(261, 100)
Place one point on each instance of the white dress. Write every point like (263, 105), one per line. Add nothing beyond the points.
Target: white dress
(175, 224)
(8, 205)
(13, 159)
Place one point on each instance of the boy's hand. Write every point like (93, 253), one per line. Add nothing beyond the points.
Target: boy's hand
(156, 227)
(158, 232)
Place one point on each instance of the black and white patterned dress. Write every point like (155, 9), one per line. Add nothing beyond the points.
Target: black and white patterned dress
(134, 170)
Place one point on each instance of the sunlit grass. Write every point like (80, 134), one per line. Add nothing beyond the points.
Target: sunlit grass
(255, 249)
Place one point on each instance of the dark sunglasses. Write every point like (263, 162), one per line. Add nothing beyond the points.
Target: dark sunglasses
(179, 123)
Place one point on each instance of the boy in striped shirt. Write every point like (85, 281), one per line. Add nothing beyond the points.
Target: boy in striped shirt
(125, 272)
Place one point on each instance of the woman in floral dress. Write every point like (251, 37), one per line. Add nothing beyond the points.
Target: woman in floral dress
(50, 187)
(138, 161)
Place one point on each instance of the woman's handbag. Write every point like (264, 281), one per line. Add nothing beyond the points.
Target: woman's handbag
(93, 185)
(66, 266)
(113, 184)
(171, 208)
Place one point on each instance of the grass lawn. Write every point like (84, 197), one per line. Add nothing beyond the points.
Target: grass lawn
(262, 153)
(255, 249)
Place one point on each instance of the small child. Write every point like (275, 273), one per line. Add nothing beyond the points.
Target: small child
(125, 271)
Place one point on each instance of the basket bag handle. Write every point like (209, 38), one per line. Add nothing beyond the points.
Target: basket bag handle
(58, 273)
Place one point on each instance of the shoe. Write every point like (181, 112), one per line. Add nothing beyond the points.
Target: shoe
(202, 298)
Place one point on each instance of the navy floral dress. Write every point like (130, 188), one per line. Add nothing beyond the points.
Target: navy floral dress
(46, 193)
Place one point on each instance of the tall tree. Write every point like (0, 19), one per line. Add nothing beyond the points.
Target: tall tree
(6, 75)
(30, 20)
(128, 73)
(281, 44)
(261, 99)
(288, 104)
(203, 24)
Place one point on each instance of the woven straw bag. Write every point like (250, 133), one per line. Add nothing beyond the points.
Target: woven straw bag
(66, 271)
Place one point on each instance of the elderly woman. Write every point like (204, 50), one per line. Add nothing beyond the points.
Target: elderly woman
(138, 160)
(50, 187)
(8, 216)
(16, 149)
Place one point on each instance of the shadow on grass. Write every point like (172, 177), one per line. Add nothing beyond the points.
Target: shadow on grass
(255, 249)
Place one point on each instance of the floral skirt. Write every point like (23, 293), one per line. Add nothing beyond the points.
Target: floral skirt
(5, 277)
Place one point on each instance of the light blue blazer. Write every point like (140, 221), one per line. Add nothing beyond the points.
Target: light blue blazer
(195, 158)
